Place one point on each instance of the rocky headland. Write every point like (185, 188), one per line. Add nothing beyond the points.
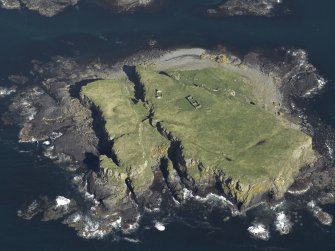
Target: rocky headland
(130, 149)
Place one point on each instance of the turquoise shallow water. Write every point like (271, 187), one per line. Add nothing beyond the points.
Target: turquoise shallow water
(91, 31)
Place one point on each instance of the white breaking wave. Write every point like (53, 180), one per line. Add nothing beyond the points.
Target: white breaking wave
(154, 210)
(159, 226)
(131, 240)
(55, 135)
(94, 229)
(211, 197)
(330, 150)
(131, 228)
(6, 91)
(278, 205)
(321, 82)
(77, 179)
(134, 226)
(301, 191)
(283, 223)
(259, 231)
(89, 196)
(62, 201)
(46, 143)
(187, 194)
(75, 218)
(29, 111)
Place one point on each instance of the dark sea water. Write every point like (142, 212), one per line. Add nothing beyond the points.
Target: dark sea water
(90, 32)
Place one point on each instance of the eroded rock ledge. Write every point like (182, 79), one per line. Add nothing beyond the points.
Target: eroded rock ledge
(53, 112)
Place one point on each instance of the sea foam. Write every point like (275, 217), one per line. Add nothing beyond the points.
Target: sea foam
(283, 224)
(259, 231)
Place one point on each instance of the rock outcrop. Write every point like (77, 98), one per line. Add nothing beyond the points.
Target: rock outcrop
(51, 8)
(47, 8)
(245, 8)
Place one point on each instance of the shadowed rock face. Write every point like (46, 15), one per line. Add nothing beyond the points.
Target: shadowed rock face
(50, 8)
(245, 7)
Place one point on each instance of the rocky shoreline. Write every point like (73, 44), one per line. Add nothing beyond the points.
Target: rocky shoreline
(51, 8)
(52, 113)
(232, 8)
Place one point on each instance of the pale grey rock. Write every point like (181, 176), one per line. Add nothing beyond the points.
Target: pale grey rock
(48, 8)
(51, 8)
(10, 4)
(131, 4)
(245, 7)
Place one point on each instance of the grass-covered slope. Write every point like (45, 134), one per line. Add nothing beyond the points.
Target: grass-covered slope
(224, 132)
(137, 145)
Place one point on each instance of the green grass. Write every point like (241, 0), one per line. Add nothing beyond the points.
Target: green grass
(113, 98)
(225, 133)
(137, 145)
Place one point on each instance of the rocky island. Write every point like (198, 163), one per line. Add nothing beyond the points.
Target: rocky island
(160, 125)
(206, 125)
